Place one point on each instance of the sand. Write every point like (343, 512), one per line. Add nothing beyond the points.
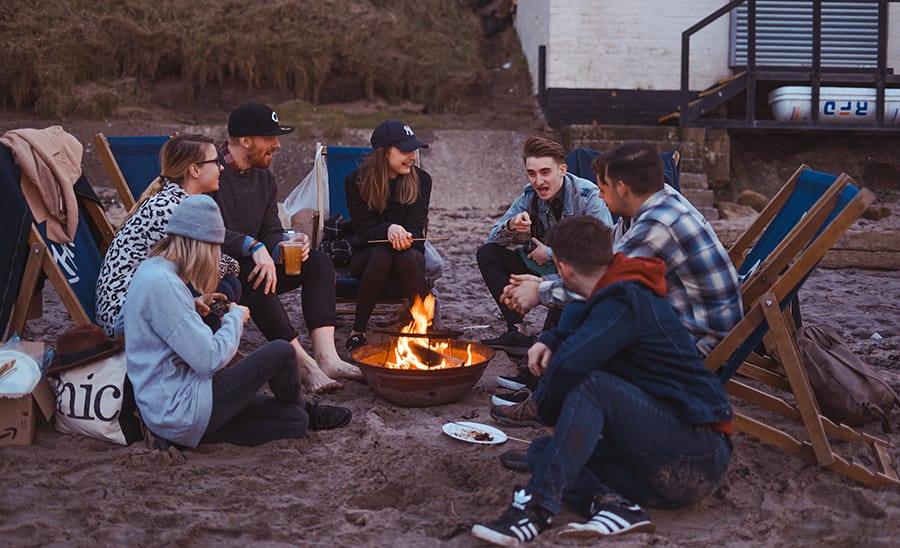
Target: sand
(392, 478)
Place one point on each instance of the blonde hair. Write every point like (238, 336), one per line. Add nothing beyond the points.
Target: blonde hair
(177, 154)
(374, 187)
(197, 261)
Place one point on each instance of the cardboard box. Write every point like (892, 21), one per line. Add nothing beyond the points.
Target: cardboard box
(18, 416)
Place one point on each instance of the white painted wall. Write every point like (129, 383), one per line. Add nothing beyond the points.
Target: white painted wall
(633, 44)
(893, 49)
(622, 44)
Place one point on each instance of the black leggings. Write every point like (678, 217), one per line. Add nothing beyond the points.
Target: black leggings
(375, 266)
(316, 297)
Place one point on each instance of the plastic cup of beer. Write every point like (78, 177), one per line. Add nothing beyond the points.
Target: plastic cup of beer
(293, 257)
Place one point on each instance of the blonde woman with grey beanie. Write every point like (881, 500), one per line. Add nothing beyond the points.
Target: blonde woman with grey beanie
(177, 364)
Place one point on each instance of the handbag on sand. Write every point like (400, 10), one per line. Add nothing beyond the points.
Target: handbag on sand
(847, 389)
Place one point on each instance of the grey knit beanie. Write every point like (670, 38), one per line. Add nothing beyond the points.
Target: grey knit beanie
(198, 218)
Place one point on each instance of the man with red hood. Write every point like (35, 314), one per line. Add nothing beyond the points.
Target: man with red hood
(638, 420)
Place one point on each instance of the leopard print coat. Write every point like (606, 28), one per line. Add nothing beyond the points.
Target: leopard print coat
(131, 246)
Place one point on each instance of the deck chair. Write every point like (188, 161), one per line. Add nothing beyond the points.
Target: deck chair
(71, 268)
(132, 163)
(758, 360)
(579, 163)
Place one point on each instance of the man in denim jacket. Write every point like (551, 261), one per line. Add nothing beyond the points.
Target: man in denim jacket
(551, 195)
(637, 417)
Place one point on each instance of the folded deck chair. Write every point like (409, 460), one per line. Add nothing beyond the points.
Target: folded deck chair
(131, 161)
(791, 235)
(72, 268)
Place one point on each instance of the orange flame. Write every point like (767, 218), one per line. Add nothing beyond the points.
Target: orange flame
(402, 353)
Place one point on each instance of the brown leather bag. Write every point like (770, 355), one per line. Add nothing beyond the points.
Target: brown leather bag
(848, 389)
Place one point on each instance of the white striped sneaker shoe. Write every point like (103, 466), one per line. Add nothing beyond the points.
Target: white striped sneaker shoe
(522, 522)
(611, 518)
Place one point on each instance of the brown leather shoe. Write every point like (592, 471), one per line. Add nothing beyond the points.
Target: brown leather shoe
(520, 414)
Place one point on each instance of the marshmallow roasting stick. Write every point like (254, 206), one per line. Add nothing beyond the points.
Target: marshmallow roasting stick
(440, 239)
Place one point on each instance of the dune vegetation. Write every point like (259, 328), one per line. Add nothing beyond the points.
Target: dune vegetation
(82, 58)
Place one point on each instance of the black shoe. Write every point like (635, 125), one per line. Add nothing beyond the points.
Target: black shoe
(356, 341)
(523, 379)
(511, 398)
(514, 460)
(327, 417)
(512, 342)
(612, 517)
(520, 414)
(522, 522)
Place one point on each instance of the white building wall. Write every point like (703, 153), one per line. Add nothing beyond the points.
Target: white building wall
(622, 44)
(893, 47)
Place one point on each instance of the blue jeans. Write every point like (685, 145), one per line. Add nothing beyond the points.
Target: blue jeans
(242, 417)
(612, 438)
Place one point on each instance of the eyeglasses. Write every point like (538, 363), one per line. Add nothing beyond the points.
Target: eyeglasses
(216, 160)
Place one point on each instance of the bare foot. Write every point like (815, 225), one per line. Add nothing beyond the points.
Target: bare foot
(338, 368)
(315, 379)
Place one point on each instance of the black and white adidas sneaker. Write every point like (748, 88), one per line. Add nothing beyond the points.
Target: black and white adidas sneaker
(611, 518)
(522, 522)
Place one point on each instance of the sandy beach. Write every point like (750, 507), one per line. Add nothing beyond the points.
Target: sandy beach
(392, 478)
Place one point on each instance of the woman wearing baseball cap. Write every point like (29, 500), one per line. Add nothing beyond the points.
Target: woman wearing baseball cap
(388, 198)
(177, 365)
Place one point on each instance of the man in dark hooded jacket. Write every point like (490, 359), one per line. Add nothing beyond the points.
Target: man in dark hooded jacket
(637, 418)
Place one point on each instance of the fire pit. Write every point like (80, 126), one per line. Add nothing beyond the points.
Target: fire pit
(416, 368)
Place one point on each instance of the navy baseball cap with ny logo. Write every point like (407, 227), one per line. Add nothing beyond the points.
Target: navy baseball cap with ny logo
(397, 134)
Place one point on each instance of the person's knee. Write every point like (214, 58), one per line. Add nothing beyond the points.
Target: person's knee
(487, 254)
(319, 261)
(282, 351)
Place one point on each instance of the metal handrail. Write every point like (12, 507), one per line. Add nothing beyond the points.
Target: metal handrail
(815, 70)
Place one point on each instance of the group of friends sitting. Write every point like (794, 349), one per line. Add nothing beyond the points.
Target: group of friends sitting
(633, 306)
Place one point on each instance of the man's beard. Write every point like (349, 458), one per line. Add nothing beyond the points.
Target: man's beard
(259, 159)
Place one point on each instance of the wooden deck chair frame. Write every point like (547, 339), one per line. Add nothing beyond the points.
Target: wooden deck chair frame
(113, 168)
(766, 294)
(344, 305)
(40, 260)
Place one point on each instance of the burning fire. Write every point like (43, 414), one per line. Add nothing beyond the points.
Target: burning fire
(423, 352)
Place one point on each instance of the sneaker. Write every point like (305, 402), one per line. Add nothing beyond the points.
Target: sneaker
(520, 414)
(514, 460)
(522, 522)
(611, 518)
(356, 341)
(327, 417)
(523, 379)
(512, 342)
(511, 398)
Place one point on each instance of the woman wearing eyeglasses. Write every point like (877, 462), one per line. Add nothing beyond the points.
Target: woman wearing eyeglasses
(190, 165)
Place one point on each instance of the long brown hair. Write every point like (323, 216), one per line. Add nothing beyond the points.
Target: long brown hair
(374, 180)
(176, 156)
(197, 261)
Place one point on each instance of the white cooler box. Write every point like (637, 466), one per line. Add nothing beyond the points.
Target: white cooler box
(838, 105)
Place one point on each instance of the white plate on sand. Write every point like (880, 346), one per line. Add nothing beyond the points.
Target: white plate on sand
(474, 432)
(24, 376)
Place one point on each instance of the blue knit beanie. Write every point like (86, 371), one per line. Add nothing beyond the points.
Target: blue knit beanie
(198, 218)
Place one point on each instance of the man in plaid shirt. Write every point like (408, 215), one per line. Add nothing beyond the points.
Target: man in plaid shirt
(704, 288)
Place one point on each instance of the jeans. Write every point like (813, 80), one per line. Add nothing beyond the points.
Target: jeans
(613, 438)
(316, 280)
(242, 417)
(497, 263)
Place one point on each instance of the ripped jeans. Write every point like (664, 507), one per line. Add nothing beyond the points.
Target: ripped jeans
(614, 439)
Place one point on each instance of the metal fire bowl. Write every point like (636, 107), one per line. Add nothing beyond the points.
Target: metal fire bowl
(418, 387)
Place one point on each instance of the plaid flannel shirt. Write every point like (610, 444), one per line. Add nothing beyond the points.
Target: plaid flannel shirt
(704, 288)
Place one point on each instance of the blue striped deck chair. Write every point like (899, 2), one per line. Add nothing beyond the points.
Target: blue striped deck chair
(131, 161)
(791, 235)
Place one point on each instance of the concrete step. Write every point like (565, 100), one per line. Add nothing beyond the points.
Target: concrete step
(698, 181)
(711, 213)
(700, 198)
(692, 164)
(687, 149)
